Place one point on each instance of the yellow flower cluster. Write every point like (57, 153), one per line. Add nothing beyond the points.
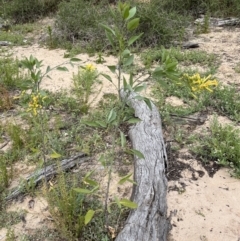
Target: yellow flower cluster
(36, 103)
(90, 67)
(198, 84)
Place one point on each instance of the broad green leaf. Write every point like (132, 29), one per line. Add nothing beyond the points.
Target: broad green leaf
(55, 155)
(124, 179)
(108, 29)
(62, 68)
(125, 12)
(126, 53)
(127, 203)
(75, 60)
(112, 116)
(90, 123)
(133, 120)
(83, 191)
(89, 216)
(129, 60)
(123, 139)
(112, 68)
(107, 77)
(91, 182)
(101, 123)
(131, 13)
(133, 24)
(148, 103)
(139, 88)
(134, 39)
(139, 97)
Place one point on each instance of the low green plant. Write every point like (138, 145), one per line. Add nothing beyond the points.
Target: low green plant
(220, 145)
(10, 236)
(83, 84)
(10, 75)
(70, 206)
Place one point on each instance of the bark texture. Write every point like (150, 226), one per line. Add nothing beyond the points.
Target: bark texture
(149, 221)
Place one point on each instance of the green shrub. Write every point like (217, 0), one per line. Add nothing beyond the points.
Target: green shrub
(218, 8)
(22, 11)
(222, 145)
(160, 27)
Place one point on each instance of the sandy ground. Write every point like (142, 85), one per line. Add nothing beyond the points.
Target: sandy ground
(206, 209)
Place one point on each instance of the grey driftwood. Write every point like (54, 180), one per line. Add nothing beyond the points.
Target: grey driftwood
(48, 172)
(149, 221)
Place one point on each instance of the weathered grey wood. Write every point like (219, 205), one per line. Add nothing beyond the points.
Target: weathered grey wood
(149, 221)
(48, 172)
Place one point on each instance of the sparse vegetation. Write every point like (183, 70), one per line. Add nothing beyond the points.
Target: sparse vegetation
(44, 126)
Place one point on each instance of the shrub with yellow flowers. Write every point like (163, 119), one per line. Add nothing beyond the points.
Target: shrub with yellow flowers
(197, 84)
(36, 103)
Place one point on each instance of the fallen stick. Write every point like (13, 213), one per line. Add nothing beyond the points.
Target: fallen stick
(47, 173)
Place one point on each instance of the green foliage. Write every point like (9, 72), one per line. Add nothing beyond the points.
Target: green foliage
(184, 57)
(160, 26)
(71, 206)
(219, 8)
(83, 85)
(222, 145)
(22, 11)
(10, 76)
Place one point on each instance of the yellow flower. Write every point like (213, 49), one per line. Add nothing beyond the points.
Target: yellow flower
(90, 67)
(36, 103)
(198, 84)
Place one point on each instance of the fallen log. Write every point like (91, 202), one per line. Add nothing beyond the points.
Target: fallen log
(149, 221)
(47, 173)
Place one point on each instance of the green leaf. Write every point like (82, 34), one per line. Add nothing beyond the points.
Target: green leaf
(134, 39)
(55, 155)
(112, 68)
(83, 191)
(48, 69)
(117, 202)
(108, 29)
(133, 24)
(135, 152)
(112, 116)
(101, 123)
(91, 182)
(123, 139)
(148, 103)
(129, 60)
(89, 216)
(62, 68)
(75, 60)
(127, 203)
(90, 123)
(125, 85)
(107, 77)
(139, 88)
(125, 12)
(132, 13)
(124, 179)
(126, 53)
(102, 160)
(133, 120)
